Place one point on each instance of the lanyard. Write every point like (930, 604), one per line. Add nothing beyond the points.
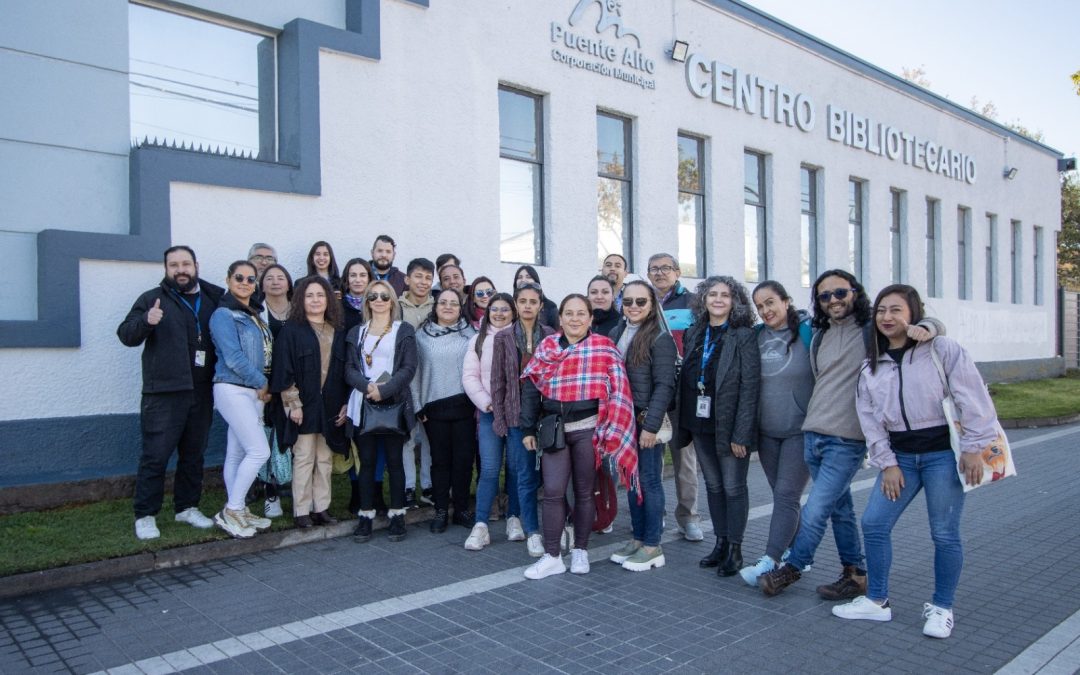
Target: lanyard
(706, 353)
(195, 311)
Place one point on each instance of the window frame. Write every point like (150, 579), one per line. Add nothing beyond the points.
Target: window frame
(628, 179)
(699, 197)
(761, 215)
(540, 231)
(856, 224)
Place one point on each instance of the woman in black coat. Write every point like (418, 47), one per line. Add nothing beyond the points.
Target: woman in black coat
(718, 387)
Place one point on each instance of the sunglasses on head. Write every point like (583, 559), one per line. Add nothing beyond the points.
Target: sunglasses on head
(840, 293)
(241, 278)
(635, 302)
(484, 293)
(372, 297)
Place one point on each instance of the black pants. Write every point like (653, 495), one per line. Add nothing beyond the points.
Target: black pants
(453, 447)
(177, 421)
(367, 448)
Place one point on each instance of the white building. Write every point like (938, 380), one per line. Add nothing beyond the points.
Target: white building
(473, 127)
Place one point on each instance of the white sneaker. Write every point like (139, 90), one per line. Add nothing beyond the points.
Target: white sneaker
(535, 544)
(750, 574)
(258, 522)
(567, 541)
(234, 524)
(939, 621)
(692, 532)
(478, 538)
(146, 528)
(545, 567)
(194, 517)
(863, 607)
(579, 561)
(514, 532)
(608, 529)
(272, 508)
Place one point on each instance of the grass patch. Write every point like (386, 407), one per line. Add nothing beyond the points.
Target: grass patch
(1055, 397)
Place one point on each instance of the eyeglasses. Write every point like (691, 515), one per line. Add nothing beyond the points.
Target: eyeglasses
(499, 310)
(240, 278)
(635, 302)
(840, 293)
(384, 297)
(262, 259)
(663, 269)
(484, 293)
(448, 303)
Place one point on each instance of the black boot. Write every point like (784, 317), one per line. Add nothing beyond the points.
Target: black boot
(354, 496)
(718, 555)
(440, 521)
(397, 528)
(362, 532)
(733, 563)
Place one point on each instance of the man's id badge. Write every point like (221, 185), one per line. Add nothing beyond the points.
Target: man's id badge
(200, 358)
(704, 406)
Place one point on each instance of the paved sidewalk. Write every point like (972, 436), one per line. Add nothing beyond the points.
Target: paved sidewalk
(427, 605)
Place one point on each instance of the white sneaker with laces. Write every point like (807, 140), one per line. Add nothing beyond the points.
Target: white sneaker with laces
(579, 561)
(255, 521)
(692, 532)
(535, 544)
(234, 524)
(514, 531)
(546, 566)
(146, 528)
(194, 517)
(478, 538)
(863, 607)
(939, 621)
(272, 508)
(750, 574)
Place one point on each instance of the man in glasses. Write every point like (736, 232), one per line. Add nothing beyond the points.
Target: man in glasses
(382, 263)
(172, 323)
(415, 306)
(261, 256)
(664, 273)
(834, 446)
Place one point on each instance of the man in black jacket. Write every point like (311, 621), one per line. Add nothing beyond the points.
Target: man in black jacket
(172, 322)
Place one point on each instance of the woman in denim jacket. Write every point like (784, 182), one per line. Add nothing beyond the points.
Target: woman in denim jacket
(243, 343)
(899, 405)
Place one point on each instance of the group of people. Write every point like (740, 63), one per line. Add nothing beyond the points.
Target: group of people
(384, 367)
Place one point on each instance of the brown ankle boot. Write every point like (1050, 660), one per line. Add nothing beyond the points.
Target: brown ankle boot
(850, 585)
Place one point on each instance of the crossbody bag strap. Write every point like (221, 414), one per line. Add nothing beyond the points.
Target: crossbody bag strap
(940, 368)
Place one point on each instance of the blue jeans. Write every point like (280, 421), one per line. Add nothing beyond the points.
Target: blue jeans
(522, 465)
(491, 462)
(833, 461)
(647, 518)
(936, 473)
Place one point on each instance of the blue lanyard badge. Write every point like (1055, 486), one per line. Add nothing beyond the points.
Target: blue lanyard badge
(706, 354)
(195, 311)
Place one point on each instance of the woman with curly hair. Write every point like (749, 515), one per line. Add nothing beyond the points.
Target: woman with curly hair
(719, 386)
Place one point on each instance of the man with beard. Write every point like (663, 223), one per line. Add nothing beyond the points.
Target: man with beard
(172, 322)
(382, 263)
(615, 269)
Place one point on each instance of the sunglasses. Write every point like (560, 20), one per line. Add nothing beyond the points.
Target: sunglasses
(499, 310)
(839, 294)
(240, 278)
(484, 293)
(635, 302)
(448, 303)
(372, 297)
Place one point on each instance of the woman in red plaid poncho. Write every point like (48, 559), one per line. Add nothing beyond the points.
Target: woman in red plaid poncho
(579, 376)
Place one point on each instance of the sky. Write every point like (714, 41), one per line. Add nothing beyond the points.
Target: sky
(1018, 55)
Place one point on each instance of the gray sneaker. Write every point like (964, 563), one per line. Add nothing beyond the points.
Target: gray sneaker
(643, 560)
(628, 549)
(693, 532)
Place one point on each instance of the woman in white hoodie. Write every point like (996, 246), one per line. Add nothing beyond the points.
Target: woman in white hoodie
(476, 377)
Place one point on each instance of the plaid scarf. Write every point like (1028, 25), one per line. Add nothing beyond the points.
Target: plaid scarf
(592, 370)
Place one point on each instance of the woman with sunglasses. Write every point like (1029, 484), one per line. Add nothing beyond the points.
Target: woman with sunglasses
(309, 364)
(577, 381)
(277, 287)
(499, 315)
(355, 279)
(322, 263)
(650, 355)
(549, 312)
(380, 357)
(511, 350)
(244, 344)
(719, 384)
(445, 409)
(480, 294)
(602, 297)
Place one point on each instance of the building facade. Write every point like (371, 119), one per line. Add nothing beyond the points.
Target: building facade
(507, 132)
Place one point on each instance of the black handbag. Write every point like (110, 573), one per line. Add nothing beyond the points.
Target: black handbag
(382, 418)
(551, 436)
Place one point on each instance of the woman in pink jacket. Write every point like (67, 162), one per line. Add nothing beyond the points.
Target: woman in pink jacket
(899, 404)
(476, 377)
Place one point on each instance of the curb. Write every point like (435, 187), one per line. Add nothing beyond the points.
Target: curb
(1033, 422)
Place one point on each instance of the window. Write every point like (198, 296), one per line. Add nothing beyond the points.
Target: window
(991, 258)
(1015, 248)
(614, 192)
(933, 207)
(963, 253)
(808, 178)
(521, 177)
(757, 263)
(216, 97)
(1038, 265)
(691, 175)
(856, 189)
(897, 213)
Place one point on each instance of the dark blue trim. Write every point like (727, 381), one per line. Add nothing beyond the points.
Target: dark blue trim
(297, 171)
(837, 55)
